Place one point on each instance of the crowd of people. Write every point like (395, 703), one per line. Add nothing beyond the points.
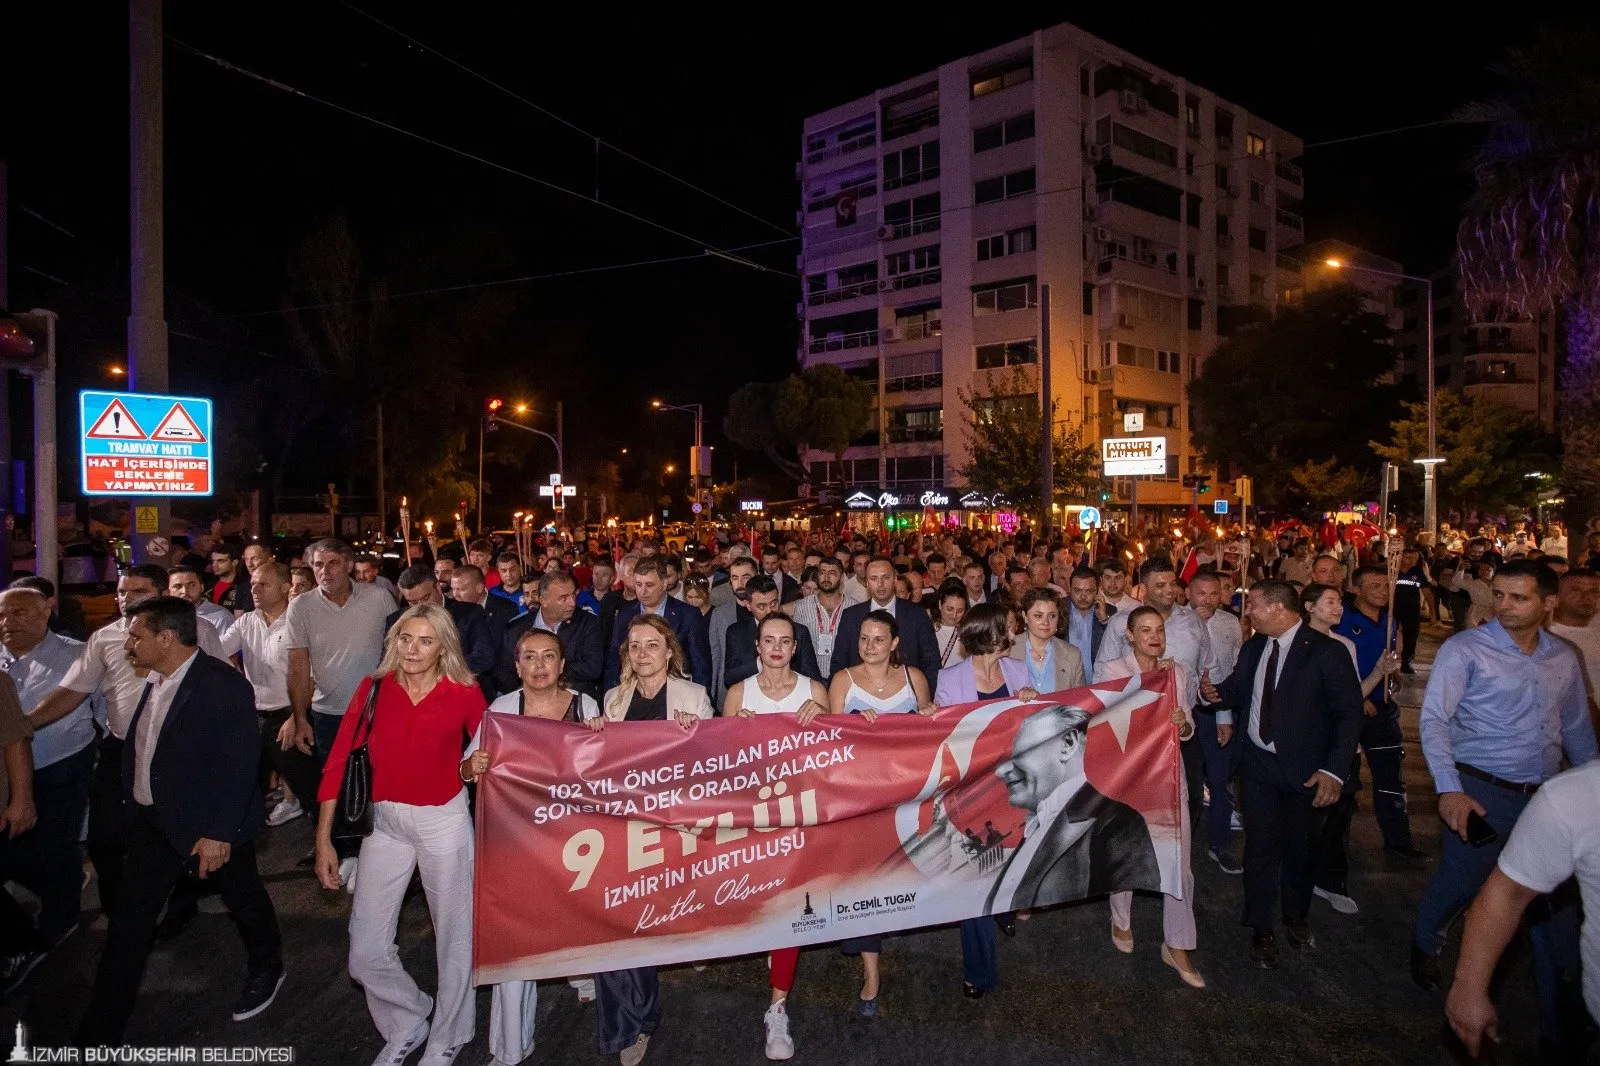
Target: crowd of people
(250, 679)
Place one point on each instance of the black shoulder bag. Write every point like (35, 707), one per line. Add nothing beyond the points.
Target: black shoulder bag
(352, 809)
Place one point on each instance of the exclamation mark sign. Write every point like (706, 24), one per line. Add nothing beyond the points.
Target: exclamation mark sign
(116, 421)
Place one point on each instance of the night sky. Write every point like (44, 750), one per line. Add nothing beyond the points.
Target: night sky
(251, 169)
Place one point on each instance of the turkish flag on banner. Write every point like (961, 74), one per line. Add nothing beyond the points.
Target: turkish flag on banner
(646, 844)
(844, 207)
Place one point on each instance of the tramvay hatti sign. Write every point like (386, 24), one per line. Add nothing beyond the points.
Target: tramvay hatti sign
(136, 444)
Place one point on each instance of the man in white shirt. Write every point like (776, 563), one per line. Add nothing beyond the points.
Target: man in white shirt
(1573, 621)
(187, 583)
(976, 582)
(1556, 837)
(1555, 541)
(103, 668)
(63, 760)
(261, 640)
(820, 613)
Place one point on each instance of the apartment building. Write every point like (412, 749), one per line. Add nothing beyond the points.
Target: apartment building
(935, 211)
(1504, 355)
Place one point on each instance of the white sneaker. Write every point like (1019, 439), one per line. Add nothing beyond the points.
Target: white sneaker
(585, 988)
(780, 1045)
(347, 874)
(1342, 904)
(396, 1052)
(286, 811)
(442, 1057)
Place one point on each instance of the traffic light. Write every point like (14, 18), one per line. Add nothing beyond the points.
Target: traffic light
(1203, 486)
(1105, 497)
(491, 421)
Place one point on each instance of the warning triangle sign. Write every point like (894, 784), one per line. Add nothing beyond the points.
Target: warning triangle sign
(116, 424)
(178, 426)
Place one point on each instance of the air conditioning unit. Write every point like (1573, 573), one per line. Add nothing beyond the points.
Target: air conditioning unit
(1130, 100)
(1095, 152)
(885, 232)
(889, 334)
(1224, 142)
(1126, 321)
(1102, 234)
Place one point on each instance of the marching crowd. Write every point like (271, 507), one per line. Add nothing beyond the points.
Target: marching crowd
(245, 676)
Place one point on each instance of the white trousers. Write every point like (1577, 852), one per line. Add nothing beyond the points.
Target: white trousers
(512, 1010)
(437, 841)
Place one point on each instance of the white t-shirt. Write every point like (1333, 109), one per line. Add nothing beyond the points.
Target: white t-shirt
(1558, 836)
(1585, 640)
(346, 642)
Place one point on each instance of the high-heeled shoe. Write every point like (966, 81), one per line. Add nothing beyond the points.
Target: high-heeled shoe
(1122, 944)
(1191, 977)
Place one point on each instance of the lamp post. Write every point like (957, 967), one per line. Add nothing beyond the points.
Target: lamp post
(1430, 462)
(700, 464)
(495, 418)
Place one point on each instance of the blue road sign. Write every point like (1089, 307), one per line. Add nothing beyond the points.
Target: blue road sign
(133, 444)
(1219, 507)
(1089, 517)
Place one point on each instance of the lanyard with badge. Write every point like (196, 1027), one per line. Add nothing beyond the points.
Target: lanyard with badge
(826, 629)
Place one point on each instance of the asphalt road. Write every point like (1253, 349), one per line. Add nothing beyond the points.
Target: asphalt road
(1067, 996)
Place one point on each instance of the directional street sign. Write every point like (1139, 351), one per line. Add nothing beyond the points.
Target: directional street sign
(1219, 507)
(1089, 517)
(133, 444)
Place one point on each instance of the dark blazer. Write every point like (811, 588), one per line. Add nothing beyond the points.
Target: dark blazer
(917, 644)
(501, 612)
(204, 775)
(1316, 707)
(741, 660)
(581, 646)
(788, 588)
(1113, 854)
(692, 632)
(478, 645)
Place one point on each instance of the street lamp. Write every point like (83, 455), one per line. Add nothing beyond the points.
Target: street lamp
(1430, 462)
(494, 419)
(700, 458)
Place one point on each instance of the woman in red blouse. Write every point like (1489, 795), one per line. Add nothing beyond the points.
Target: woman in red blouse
(427, 703)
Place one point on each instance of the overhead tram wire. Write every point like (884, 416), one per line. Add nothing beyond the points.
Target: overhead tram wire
(705, 253)
(708, 247)
(566, 122)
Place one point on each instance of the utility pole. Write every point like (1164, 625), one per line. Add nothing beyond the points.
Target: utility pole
(6, 512)
(147, 325)
(1047, 457)
(383, 509)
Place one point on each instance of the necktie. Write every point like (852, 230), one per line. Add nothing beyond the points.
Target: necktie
(1264, 706)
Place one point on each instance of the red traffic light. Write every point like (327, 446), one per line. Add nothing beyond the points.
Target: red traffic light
(495, 405)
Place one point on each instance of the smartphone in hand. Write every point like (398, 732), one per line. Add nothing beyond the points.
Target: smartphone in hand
(1479, 832)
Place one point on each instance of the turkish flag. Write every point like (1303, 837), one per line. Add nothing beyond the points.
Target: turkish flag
(844, 208)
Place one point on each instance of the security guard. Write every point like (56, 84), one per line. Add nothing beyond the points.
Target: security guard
(1408, 587)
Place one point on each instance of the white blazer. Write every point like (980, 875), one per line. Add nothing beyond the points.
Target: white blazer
(682, 696)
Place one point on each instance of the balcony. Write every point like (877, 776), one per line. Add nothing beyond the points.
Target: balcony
(915, 176)
(1290, 173)
(842, 293)
(836, 342)
(854, 144)
(1289, 263)
(1151, 270)
(914, 279)
(1292, 220)
(893, 231)
(915, 329)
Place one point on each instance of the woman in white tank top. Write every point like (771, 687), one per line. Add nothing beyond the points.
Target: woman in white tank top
(777, 689)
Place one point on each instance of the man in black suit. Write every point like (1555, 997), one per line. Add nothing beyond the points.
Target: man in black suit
(466, 582)
(917, 645)
(478, 645)
(578, 631)
(1077, 842)
(740, 654)
(688, 624)
(1300, 707)
(772, 559)
(189, 770)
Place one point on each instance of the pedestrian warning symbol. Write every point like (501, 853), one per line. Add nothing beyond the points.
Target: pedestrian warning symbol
(115, 423)
(119, 459)
(178, 426)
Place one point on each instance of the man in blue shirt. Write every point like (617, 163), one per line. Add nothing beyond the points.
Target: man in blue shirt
(1503, 702)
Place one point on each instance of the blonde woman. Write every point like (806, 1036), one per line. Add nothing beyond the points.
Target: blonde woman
(426, 700)
(653, 686)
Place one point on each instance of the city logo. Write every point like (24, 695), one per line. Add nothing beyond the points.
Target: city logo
(19, 1050)
(860, 501)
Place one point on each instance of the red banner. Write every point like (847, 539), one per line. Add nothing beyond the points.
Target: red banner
(649, 845)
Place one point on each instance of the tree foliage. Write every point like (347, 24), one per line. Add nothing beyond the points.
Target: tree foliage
(1489, 448)
(821, 407)
(1312, 383)
(1005, 437)
(1530, 238)
(1325, 486)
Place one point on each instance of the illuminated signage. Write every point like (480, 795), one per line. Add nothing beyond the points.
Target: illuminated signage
(1133, 456)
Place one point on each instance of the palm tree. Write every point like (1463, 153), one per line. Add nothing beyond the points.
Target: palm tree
(1530, 241)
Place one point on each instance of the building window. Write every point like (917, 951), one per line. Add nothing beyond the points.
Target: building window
(1222, 275)
(1196, 313)
(1258, 285)
(1191, 115)
(917, 266)
(910, 424)
(1222, 224)
(1254, 145)
(1002, 75)
(1156, 415)
(991, 190)
(911, 165)
(920, 214)
(1258, 193)
(1142, 144)
(909, 112)
(1137, 355)
(1224, 126)
(986, 408)
(1000, 245)
(1007, 353)
(1007, 131)
(1258, 239)
(1000, 297)
(1088, 299)
(918, 370)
